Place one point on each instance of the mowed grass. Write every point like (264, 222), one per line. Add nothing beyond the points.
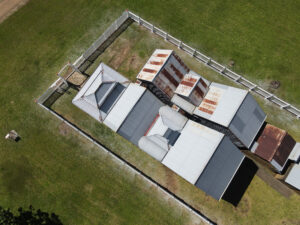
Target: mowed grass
(127, 55)
(64, 173)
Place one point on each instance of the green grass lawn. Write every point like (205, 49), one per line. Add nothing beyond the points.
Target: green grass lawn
(64, 173)
(127, 55)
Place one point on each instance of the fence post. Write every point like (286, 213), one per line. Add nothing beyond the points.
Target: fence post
(179, 45)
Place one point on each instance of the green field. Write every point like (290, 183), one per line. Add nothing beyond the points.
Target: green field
(55, 170)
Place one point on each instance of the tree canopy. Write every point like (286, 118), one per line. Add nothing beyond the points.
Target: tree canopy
(28, 217)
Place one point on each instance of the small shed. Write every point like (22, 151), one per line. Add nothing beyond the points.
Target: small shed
(164, 70)
(193, 88)
(233, 109)
(275, 146)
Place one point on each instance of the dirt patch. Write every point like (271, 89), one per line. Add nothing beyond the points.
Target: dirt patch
(8, 7)
(64, 129)
(274, 183)
(170, 180)
(275, 84)
(134, 63)
(120, 56)
(88, 188)
(77, 79)
(244, 205)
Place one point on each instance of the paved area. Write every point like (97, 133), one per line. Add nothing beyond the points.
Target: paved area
(8, 7)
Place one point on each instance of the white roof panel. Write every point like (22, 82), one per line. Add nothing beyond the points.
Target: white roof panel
(183, 104)
(293, 177)
(158, 127)
(221, 103)
(123, 106)
(192, 151)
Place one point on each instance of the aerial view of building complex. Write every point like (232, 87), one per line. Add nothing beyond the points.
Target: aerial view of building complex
(117, 112)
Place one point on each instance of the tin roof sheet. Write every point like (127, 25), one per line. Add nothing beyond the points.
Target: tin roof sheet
(188, 83)
(192, 150)
(154, 64)
(221, 169)
(221, 103)
(293, 177)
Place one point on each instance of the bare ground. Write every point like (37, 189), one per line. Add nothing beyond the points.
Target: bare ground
(8, 7)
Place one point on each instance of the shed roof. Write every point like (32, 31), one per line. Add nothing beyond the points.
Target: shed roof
(221, 103)
(293, 177)
(154, 64)
(192, 150)
(274, 144)
(188, 83)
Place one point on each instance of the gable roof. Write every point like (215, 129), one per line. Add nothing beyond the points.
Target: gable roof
(192, 150)
(154, 64)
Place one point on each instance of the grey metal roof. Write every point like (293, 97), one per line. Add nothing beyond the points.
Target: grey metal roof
(140, 118)
(247, 121)
(220, 169)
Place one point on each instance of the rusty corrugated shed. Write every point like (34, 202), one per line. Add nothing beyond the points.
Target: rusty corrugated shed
(275, 144)
(165, 70)
(193, 87)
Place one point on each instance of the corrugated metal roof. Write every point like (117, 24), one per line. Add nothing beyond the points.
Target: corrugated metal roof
(221, 103)
(140, 117)
(221, 169)
(154, 64)
(192, 150)
(293, 177)
(187, 84)
(248, 121)
(183, 104)
(274, 144)
(94, 91)
(123, 106)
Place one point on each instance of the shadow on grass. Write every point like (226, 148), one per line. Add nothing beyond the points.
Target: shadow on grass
(240, 182)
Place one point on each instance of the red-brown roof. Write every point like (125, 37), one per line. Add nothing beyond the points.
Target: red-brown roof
(274, 143)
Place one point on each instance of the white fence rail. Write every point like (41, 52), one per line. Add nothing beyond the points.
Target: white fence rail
(223, 70)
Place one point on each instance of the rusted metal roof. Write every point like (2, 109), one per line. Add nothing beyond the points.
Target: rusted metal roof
(154, 64)
(187, 84)
(165, 70)
(193, 87)
(275, 144)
